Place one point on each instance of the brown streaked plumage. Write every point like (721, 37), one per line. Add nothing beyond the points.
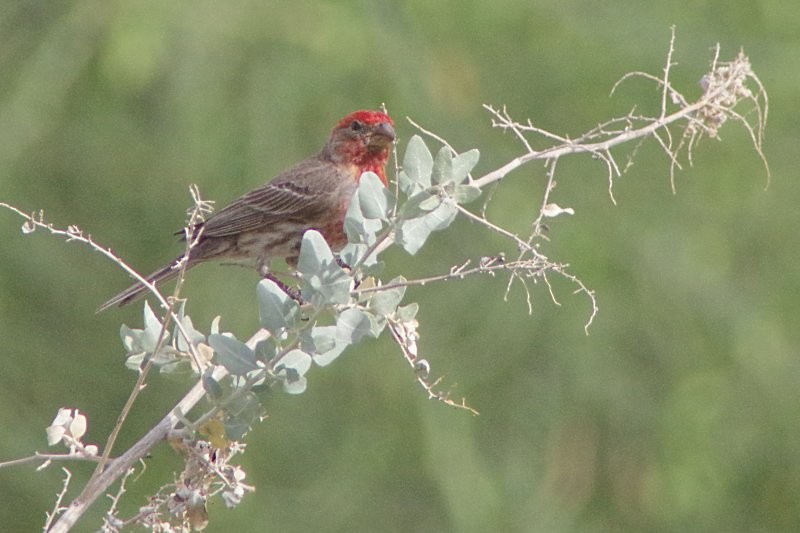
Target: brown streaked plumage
(269, 222)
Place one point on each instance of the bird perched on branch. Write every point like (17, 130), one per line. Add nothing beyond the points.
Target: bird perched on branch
(269, 222)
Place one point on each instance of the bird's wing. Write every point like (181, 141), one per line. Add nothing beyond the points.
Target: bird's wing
(291, 194)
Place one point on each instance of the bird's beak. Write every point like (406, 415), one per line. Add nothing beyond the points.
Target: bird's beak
(382, 136)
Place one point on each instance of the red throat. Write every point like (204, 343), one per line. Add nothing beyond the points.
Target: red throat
(366, 160)
(374, 163)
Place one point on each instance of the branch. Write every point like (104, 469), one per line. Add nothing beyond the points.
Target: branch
(118, 467)
(195, 215)
(49, 457)
(724, 86)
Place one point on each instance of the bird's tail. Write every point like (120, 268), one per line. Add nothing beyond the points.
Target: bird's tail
(136, 290)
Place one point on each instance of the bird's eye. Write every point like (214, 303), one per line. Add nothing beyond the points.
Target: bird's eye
(356, 126)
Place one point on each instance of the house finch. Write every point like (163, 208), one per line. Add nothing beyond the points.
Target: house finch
(269, 221)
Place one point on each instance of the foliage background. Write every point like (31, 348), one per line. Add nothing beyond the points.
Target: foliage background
(677, 412)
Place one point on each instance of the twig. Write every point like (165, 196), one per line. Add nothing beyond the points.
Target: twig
(196, 214)
(531, 266)
(73, 233)
(406, 340)
(49, 457)
(59, 498)
(98, 484)
(725, 87)
(432, 135)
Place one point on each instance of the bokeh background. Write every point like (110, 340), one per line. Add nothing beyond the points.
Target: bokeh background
(679, 410)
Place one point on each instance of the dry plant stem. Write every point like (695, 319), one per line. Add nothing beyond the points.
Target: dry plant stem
(521, 269)
(57, 507)
(48, 457)
(120, 492)
(594, 148)
(457, 272)
(432, 135)
(195, 215)
(430, 387)
(710, 100)
(126, 409)
(73, 233)
(103, 476)
(117, 467)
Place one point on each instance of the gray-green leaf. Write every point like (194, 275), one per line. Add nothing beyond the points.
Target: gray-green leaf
(152, 329)
(195, 337)
(292, 368)
(212, 386)
(442, 167)
(412, 234)
(233, 354)
(417, 167)
(375, 199)
(314, 253)
(464, 194)
(351, 325)
(275, 308)
(358, 227)
(320, 342)
(463, 165)
(386, 301)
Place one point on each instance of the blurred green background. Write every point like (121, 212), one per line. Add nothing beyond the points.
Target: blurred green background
(678, 412)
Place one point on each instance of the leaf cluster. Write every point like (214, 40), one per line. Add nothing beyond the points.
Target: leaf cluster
(341, 298)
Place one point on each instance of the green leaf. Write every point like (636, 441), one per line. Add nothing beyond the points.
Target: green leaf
(430, 203)
(368, 210)
(265, 350)
(241, 412)
(295, 385)
(212, 386)
(298, 360)
(331, 286)
(358, 227)
(141, 342)
(152, 329)
(292, 369)
(386, 301)
(352, 253)
(150, 318)
(276, 309)
(315, 253)
(215, 324)
(417, 167)
(131, 339)
(407, 312)
(464, 194)
(412, 234)
(233, 354)
(321, 343)
(329, 356)
(376, 325)
(195, 337)
(324, 281)
(441, 217)
(318, 339)
(413, 207)
(463, 165)
(374, 197)
(442, 166)
(351, 326)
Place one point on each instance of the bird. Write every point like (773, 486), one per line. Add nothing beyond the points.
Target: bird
(269, 221)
